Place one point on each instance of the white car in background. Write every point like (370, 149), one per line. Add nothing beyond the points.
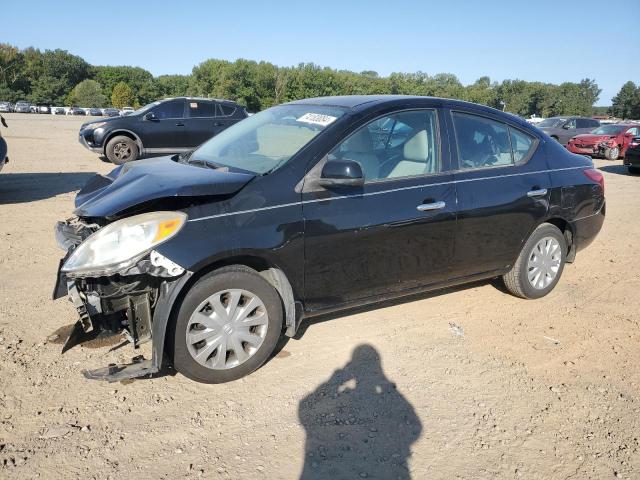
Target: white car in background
(534, 119)
(126, 111)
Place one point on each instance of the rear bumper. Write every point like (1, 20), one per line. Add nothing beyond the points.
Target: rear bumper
(587, 228)
(631, 160)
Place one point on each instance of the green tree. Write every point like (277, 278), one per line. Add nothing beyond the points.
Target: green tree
(87, 93)
(139, 80)
(626, 104)
(122, 96)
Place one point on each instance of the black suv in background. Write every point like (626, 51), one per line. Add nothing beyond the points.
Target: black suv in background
(167, 126)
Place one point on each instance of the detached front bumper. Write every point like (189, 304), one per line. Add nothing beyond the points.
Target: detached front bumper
(134, 304)
(589, 150)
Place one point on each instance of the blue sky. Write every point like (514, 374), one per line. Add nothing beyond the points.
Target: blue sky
(544, 40)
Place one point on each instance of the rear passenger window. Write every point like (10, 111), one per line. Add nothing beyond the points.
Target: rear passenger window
(481, 142)
(202, 109)
(521, 143)
(172, 109)
(227, 110)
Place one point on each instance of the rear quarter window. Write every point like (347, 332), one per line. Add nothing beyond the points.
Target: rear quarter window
(227, 110)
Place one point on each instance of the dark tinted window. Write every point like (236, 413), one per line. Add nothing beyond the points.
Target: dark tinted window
(227, 110)
(400, 145)
(585, 123)
(594, 123)
(171, 109)
(481, 142)
(570, 124)
(201, 109)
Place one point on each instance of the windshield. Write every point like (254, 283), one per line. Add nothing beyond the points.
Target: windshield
(143, 109)
(267, 140)
(551, 122)
(608, 130)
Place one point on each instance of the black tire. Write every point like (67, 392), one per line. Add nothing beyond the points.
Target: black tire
(234, 277)
(121, 149)
(634, 170)
(517, 281)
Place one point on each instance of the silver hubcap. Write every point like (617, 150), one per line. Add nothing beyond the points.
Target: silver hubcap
(613, 153)
(544, 263)
(122, 151)
(227, 329)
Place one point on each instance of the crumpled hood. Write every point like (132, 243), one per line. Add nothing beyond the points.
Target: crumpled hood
(590, 139)
(141, 181)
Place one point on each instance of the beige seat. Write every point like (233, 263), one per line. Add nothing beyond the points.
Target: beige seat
(417, 160)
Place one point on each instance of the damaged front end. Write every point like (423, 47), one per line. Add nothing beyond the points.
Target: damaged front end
(116, 281)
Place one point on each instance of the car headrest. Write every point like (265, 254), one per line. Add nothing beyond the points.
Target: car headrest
(416, 149)
(359, 142)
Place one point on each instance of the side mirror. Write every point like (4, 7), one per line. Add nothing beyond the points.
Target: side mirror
(338, 173)
(566, 126)
(151, 117)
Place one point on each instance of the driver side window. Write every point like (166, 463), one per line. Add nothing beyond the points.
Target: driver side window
(481, 142)
(403, 144)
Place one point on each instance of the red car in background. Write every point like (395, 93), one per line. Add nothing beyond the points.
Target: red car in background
(608, 141)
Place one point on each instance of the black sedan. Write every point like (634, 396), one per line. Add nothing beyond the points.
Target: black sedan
(76, 111)
(316, 206)
(632, 156)
(111, 112)
(95, 112)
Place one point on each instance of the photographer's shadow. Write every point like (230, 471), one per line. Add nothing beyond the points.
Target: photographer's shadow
(357, 424)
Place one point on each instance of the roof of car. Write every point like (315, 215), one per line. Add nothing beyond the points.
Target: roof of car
(200, 98)
(357, 101)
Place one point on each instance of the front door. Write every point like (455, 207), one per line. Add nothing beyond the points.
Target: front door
(396, 231)
(503, 189)
(166, 130)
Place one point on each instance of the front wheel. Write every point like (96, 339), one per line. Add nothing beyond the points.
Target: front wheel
(121, 149)
(227, 326)
(612, 153)
(539, 265)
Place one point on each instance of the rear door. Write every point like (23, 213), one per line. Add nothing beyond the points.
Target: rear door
(201, 121)
(393, 233)
(166, 131)
(503, 188)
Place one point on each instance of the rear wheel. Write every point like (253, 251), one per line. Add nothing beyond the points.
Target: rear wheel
(227, 326)
(121, 149)
(612, 153)
(539, 265)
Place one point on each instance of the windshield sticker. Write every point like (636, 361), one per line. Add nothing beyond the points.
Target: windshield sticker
(193, 105)
(317, 119)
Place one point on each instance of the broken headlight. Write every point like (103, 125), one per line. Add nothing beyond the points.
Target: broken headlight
(122, 243)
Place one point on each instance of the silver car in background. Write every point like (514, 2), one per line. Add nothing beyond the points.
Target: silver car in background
(563, 129)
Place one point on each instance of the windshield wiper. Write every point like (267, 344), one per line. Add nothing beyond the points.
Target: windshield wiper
(184, 156)
(203, 162)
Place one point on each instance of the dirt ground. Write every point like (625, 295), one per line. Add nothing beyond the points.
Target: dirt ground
(469, 383)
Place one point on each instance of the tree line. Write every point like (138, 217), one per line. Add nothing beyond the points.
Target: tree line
(61, 78)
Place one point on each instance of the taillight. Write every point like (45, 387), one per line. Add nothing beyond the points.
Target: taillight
(596, 176)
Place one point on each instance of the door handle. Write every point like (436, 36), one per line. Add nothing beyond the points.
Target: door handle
(218, 124)
(537, 193)
(179, 124)
(426, 207)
